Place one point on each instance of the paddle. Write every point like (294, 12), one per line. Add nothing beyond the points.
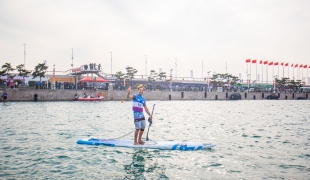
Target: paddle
(150, 123)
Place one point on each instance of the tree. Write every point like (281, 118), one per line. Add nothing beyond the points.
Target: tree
(22, 71)
(39, 71)
(6, 69)
(153, 76)
(221, 79)
(131, 72)
(119, 75)
(162, 77)
(282, 82)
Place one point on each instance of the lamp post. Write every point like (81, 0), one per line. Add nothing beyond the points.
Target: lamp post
(248, 81)
(111, 65)
(226, 67)
(24, 56)
(176, 67)
(72, 67)
(208, 81)
(146, 66)
(171, 79)
(54, 76)
(202, 69)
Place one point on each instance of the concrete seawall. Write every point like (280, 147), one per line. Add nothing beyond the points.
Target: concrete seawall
(67, 95)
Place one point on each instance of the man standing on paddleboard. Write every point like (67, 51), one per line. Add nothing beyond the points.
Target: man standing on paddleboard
(138, 103)
(5, 97)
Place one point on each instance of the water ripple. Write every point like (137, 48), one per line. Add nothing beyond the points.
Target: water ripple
(261, 139)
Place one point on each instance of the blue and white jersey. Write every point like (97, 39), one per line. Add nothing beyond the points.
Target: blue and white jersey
(5, 94)
(137, 106)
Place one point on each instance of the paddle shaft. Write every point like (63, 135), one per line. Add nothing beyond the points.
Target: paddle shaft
(147, 134)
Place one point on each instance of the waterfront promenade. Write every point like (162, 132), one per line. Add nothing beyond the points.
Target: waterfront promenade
(27, 94)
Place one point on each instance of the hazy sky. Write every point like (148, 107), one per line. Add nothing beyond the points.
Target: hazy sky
(163, 32)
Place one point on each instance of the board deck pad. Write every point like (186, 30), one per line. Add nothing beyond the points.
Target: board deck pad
(165, 145)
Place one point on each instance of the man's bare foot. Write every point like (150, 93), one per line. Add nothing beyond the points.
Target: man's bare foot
(141, 142)
(136, 143)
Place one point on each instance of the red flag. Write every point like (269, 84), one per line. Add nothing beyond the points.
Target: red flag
(254, 61)
(292, 65)
(247, 60)
(296, 65)
(305, 66)
(276, 63)
(266, 62)
(261, 62)
(286, 64)
(271, 63)
(300, 65)
(282, 63)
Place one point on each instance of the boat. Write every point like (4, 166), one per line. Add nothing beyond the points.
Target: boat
(89, 99)
(163, 145)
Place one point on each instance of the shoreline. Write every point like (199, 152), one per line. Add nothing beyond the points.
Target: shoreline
(26, 94)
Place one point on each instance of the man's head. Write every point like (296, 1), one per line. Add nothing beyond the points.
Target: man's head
(140, 89)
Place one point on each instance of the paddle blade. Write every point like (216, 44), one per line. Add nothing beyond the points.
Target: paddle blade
(150, 121)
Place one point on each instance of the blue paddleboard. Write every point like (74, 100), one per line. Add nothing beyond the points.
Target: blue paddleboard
(164, 145)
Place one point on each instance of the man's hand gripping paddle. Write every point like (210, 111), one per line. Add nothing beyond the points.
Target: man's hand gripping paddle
(150, 123)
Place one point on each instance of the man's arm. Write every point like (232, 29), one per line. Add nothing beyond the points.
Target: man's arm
(147, 111)
(128, 94)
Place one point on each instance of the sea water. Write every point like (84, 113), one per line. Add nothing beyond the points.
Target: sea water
(254, 140)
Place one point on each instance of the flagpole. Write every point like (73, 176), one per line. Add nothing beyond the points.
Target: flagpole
(250, 72)
(273, 79)
(247, 72)
(302, 72)
(256, 70)
(262, 77)
(267, 74)
(307, 74)
(283, 70)
(288, 71)
(278, 70)
(293, 73)
(273, 71)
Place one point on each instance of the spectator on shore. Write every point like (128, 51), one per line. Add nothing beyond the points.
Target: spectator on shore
(37, 84)
(4, 84)
(40, 84)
